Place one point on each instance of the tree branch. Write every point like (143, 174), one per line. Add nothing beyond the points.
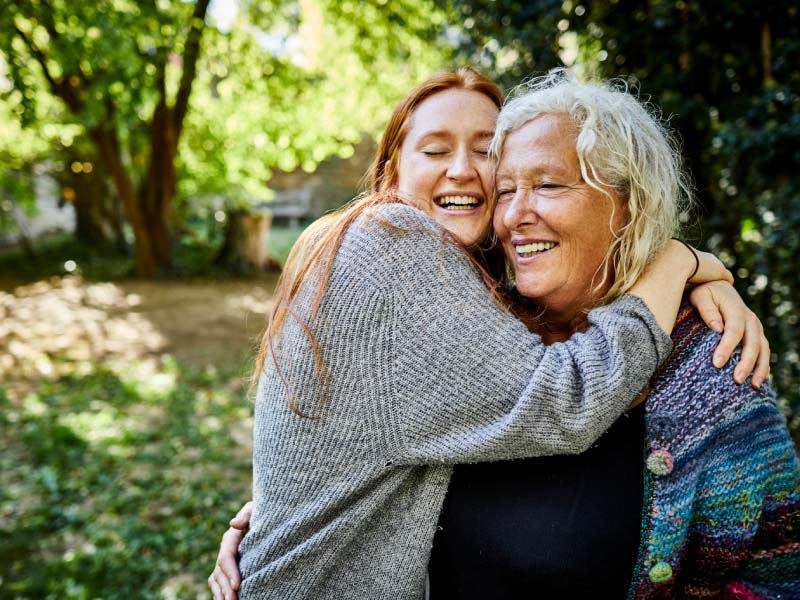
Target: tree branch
(63, 88)
(191, 52)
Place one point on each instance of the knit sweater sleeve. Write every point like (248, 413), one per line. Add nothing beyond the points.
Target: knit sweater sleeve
(472, 384)
(772, 567)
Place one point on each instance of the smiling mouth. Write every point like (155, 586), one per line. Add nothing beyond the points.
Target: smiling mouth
(458, 202)
(534, 249)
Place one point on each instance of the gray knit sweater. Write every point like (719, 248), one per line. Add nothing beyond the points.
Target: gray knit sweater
(424, 371)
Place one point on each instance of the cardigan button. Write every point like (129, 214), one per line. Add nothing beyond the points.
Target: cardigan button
(660, 462)
(660, 572)
(661, 425)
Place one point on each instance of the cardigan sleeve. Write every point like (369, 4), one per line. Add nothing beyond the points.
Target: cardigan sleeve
(724, 516)
(472, 384)
(772, 567)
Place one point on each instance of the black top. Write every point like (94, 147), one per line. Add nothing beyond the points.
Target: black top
(559, 526)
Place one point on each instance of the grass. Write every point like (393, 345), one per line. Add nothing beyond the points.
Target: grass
(117, 480)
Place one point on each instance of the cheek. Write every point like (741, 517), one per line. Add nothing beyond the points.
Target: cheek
(498, 224)
(486, 174)
(404, 172)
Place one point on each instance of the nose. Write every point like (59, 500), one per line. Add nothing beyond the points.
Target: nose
(521, 209)
(461, 168)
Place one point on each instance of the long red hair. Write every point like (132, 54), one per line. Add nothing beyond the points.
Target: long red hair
(322, 239)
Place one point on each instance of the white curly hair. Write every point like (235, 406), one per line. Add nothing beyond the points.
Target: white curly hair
(622, 146)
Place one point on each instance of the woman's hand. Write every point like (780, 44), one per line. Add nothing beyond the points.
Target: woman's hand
(724, 311)
(225, 579)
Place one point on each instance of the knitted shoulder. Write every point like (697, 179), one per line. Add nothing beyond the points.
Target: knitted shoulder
(405, 217)
(392, 241)
(696, 394)
(392, 225)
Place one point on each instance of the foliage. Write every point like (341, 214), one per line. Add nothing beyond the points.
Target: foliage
(726, 75)
(336, 71)
(89, 509)
(286, 85)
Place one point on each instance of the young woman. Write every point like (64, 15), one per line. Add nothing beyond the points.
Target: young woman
(389, 361)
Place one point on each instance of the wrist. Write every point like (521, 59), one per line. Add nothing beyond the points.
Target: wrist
(690, 260)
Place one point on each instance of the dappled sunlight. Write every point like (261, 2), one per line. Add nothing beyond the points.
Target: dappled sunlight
(126, 426)
(52, 323)
(60, 325)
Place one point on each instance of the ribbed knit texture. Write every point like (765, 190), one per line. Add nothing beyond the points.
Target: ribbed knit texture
(723, 485)
(424, 371)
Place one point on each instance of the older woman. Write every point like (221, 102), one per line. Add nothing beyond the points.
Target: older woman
(356, 427)
(588, 188)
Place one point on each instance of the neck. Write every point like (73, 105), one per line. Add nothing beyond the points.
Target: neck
(557, 321)
(558, 330)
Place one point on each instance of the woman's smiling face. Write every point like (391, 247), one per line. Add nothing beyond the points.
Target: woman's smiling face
(555, 229)
(444, 167)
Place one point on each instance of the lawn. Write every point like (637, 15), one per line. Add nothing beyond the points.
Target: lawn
(125, 425)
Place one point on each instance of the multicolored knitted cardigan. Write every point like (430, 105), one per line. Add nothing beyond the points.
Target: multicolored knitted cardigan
(722, 484)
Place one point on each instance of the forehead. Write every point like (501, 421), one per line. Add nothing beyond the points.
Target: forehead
(455, 111)
(544, 140)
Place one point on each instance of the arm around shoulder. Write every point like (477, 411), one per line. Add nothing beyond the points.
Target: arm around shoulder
(470, 383)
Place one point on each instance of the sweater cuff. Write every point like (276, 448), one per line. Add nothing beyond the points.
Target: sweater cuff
(633, 306)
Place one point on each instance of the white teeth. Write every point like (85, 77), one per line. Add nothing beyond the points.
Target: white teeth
(534, 248)
(458, 202)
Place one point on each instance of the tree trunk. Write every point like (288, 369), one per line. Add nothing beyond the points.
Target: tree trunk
(245, 247)
(98, 221)
(158, 190)
(146, 264)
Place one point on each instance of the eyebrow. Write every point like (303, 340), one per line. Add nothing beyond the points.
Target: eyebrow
(444, 134)
(537, 170)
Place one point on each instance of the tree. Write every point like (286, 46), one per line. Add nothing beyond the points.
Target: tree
(172, 118)
(124, 71)
(327, 73)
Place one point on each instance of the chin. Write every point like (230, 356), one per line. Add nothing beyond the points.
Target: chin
(531, 290)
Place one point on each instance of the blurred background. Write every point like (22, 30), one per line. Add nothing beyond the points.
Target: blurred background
(157, 161)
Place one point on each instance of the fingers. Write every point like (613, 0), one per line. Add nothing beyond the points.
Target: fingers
(214, 587)
(754, 339)
(225, 579)
(761, 373)
(220, 586)
(703, 300)
(751, 347)
(717, 301)
(226, 559)
(242, 518)
(734, 331)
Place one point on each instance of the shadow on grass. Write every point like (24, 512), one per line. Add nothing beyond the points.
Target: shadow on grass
(119, 488)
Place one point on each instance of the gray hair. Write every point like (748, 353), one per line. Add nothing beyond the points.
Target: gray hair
(621, 145)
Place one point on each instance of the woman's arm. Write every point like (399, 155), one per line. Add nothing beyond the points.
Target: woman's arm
(717, 301)
(470, 383)
(662, 285)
